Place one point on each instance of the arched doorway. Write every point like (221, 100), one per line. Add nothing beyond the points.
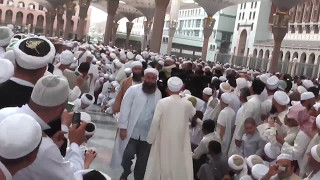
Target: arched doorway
(30, 19)
(255, 52)
(19, 18)
(316, 73)
(242, 43)
(280, 61)
(301, 64)
(310, 66)
(8, 17)
(39, 24)
(285, 63)
(267, 54)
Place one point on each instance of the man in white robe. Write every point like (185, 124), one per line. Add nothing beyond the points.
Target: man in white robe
(225, 122)
(314, 162)
(136, 112)
(171, 156)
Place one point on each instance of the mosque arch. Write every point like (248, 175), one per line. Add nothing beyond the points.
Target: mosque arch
(242, 43)
(8, 17)
(255, 52)
(267, 54)
(19, 18)
(260, 53)
(40, 20)
(310, 66)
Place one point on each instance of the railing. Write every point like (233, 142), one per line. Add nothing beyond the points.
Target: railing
(261, 64)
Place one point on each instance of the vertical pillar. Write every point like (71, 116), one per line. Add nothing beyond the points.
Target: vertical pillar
(207, 31)
(114, 32)
(52, 18)
(294, 65)
(60, 12)
(279, 30)
(69, 13)
(172, 30)
(147, 26)
(157, 30)
(129, 28)
(84, 6)
(112, 9)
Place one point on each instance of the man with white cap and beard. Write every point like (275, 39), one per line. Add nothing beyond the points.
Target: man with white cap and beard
(283, 170)
(136, 113)
(20, 139)
(32, 57)
(225, 122)
(136, 78)
(48, 101)
(308, 100)
(171, 156)
(314, 163)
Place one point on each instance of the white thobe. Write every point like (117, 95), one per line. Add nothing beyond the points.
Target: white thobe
(264, 95)
(299, 148)
(203, 146)
(253, 110)
(316, 176)
(226, 120)
(233, 148)
(243, 172)
(209, 110)
(196, 132)
(5, 172)
(235, 103)
(304, 168)
(131, 107)
(292, 177)
(170, 155)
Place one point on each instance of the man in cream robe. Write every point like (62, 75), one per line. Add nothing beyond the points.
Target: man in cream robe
(171, 156)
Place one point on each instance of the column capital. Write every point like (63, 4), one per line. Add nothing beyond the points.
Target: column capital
(280, 25)
(112, 7)
(162, 3)
(60, 10)
(208, 25)
(84, 6)
(71, 7)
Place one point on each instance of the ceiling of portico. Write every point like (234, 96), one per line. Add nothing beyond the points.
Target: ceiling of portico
(128, 11)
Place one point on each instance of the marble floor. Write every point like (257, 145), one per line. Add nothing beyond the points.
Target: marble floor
(103, 142)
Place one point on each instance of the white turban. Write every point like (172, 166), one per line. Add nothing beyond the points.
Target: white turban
(66, 57)
(259, 170)
(175, 84)
(207, 91)
(281, 98)
(136, 63)
(253, 160)
(272, 82)
(306, 96)
(226, 98)
(87, 99)
(236, 162)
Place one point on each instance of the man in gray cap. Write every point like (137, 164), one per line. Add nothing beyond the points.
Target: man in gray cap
(20, 139)
(32, 57)
(48, 101)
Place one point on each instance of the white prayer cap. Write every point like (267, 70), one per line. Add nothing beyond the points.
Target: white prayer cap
(151, 70)
(253, 160)
(111, 77)
(315, 153)
(316, 106)
(318, 121)
(118, 64)
(226, 98)
(113, 56)
(236, 162)
(175, 84)
(301, 89)
(87, 99)
(241, 83)
(50, 91)
(5, 35)
(169, 59)
(66, 57)
(7, 70)
(259, 170)
(272, 82)
(136, 63)
(306, 96)
(285, 156)
(20, 135)
(281, 98)
(186, 91)
(271, 151)
(10, 56)
(207, 91)
(34, 52)
(130, 55)
(161, 62)
(114, 84)
(138, 57)
(225, 87)
(222, 78)
(307, 83)
(214, 78)
(145, 54)
(128, 70)
(106, 76)
(123, 57)
(101, 79)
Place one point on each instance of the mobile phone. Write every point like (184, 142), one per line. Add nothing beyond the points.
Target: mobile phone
(76, 118)
(70, 107)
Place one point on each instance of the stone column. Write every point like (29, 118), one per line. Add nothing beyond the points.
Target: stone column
(279, 30)
(60, 12)
(207, 31)
(147, 26)
(129, 28)
(52, 18)
(84, 6)
(157, 30)
(69, 13)
(114, 32)
(172, 30)
(112, 9)
(293, 68)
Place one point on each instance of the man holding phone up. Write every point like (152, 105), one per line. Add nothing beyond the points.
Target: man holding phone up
(283, 170)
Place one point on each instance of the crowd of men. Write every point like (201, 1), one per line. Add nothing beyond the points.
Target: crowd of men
(180, 119)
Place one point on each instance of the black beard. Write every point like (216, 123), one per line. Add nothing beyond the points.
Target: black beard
(136, 77)
(273, 110)
(149, 88)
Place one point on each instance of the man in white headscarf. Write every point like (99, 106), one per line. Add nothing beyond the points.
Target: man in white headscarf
(170, 156)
